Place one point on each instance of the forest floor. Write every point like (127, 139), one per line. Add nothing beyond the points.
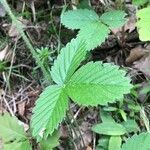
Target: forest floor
(21, 80)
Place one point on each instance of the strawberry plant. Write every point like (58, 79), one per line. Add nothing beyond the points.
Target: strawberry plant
(93, 29)
(95, 83)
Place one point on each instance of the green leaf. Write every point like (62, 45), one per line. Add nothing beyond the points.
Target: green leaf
(10, 130)
(68, 61)
(139, 2)
(49, 111)
(51, 142)
(143, 24)
(114, 19)
(23, 145)
(98, 83)
(137, 142)
(103, 143)
(94, 34)
(13, 134)
(115, 143)
(106, 117)
(75, 19)
(84, 4)
(130, 125)
(93, 30)
(109, 128)
(123, 114)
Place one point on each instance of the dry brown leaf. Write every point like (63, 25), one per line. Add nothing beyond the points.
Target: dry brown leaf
(3, 53)
(130, 25)
(2, 93)
(6, 54)
(21, 108)
(25, 126)
(63, 132)
(135, 54)
(13, 32)
(143, 65)
(88, 148)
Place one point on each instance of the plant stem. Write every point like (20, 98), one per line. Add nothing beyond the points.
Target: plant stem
(20, 29)
(76, 123)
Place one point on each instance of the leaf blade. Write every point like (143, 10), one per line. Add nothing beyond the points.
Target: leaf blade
(143, 24)
(114, 19)
(94, 34)
(115, 143)
(75, 19)
(109, 128)
(68, 61)
(49, 110)
(137, 142)
(98, 83)
(10, 129)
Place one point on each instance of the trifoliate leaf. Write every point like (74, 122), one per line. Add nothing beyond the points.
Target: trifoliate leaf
(94, 34)
(114, 19)
(98, 83)
(49, 111)
(68, 61)
(143, 24)
(23, 145)
(109, 128)
(115, 143)
(137, 142)
(51, 142)
(75, 19)
(93, 30)
(10, 130)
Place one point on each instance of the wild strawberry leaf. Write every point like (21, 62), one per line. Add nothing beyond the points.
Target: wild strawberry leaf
(114, 19)
(98, 83)
(68, 61)
(137, 142)
(94, 34)
(49, 111)
(75, 19)
(93, 30)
